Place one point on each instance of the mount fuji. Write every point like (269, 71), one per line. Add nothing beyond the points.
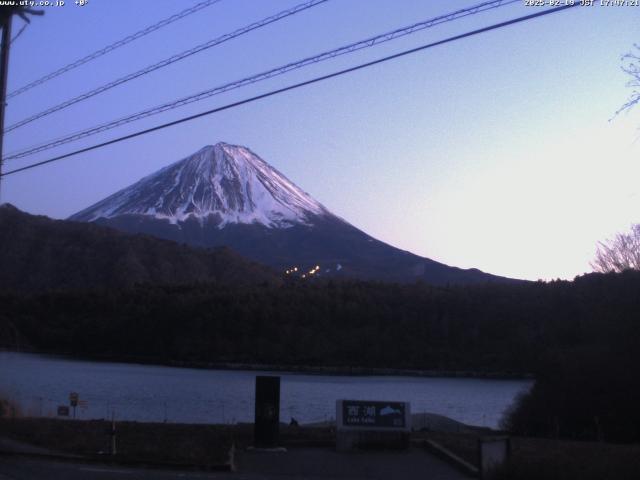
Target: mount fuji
(225, 195)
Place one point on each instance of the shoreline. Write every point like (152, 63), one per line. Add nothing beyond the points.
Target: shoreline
(355, 371)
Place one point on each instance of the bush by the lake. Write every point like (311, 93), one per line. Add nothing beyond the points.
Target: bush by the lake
(588, 395)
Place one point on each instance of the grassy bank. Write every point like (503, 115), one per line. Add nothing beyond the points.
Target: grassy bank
(189, 444)
(209, 445)
(156, 442)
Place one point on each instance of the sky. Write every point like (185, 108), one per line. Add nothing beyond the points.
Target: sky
(498, 151)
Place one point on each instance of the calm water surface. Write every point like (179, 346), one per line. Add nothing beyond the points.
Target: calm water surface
(155, 393)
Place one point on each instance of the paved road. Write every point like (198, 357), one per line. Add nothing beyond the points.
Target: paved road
(318, 463)
(296, 464)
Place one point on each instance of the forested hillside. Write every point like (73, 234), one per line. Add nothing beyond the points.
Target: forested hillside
(38, 253)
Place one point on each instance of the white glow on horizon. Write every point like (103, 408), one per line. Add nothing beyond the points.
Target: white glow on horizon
(539, 213)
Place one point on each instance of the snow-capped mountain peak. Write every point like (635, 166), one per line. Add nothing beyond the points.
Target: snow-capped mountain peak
(222, 183)
(225, 195)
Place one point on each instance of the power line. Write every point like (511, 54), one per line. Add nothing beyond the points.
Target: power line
(367, 43)
(113, 46)
(168, 61)
(294, 86)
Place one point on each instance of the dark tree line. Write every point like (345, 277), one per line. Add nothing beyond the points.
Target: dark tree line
(580, 338)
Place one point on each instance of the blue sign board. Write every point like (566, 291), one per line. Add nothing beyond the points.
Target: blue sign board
(360, 413)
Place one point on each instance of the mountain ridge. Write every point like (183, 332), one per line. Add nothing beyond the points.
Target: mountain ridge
(226, 195)
(39, 253)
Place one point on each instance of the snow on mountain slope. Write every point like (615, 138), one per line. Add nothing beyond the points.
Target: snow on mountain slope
(223, 183)
(225, 195)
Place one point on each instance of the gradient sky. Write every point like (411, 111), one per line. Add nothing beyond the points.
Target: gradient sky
(493, 152)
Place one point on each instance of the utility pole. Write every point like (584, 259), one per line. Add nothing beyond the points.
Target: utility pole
(6, 16)
(4, 70)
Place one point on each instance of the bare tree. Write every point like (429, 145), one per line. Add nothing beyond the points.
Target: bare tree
(631, 66)
(620, 253)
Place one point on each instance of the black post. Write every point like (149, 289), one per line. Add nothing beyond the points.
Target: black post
(267, 416)
(112, 432)
(4, 70)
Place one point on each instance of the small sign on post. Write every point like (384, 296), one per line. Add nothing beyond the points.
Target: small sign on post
(73, 401)
(362, 424)
(63, 411)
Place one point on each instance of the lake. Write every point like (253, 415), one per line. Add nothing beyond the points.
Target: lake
(39, 383)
